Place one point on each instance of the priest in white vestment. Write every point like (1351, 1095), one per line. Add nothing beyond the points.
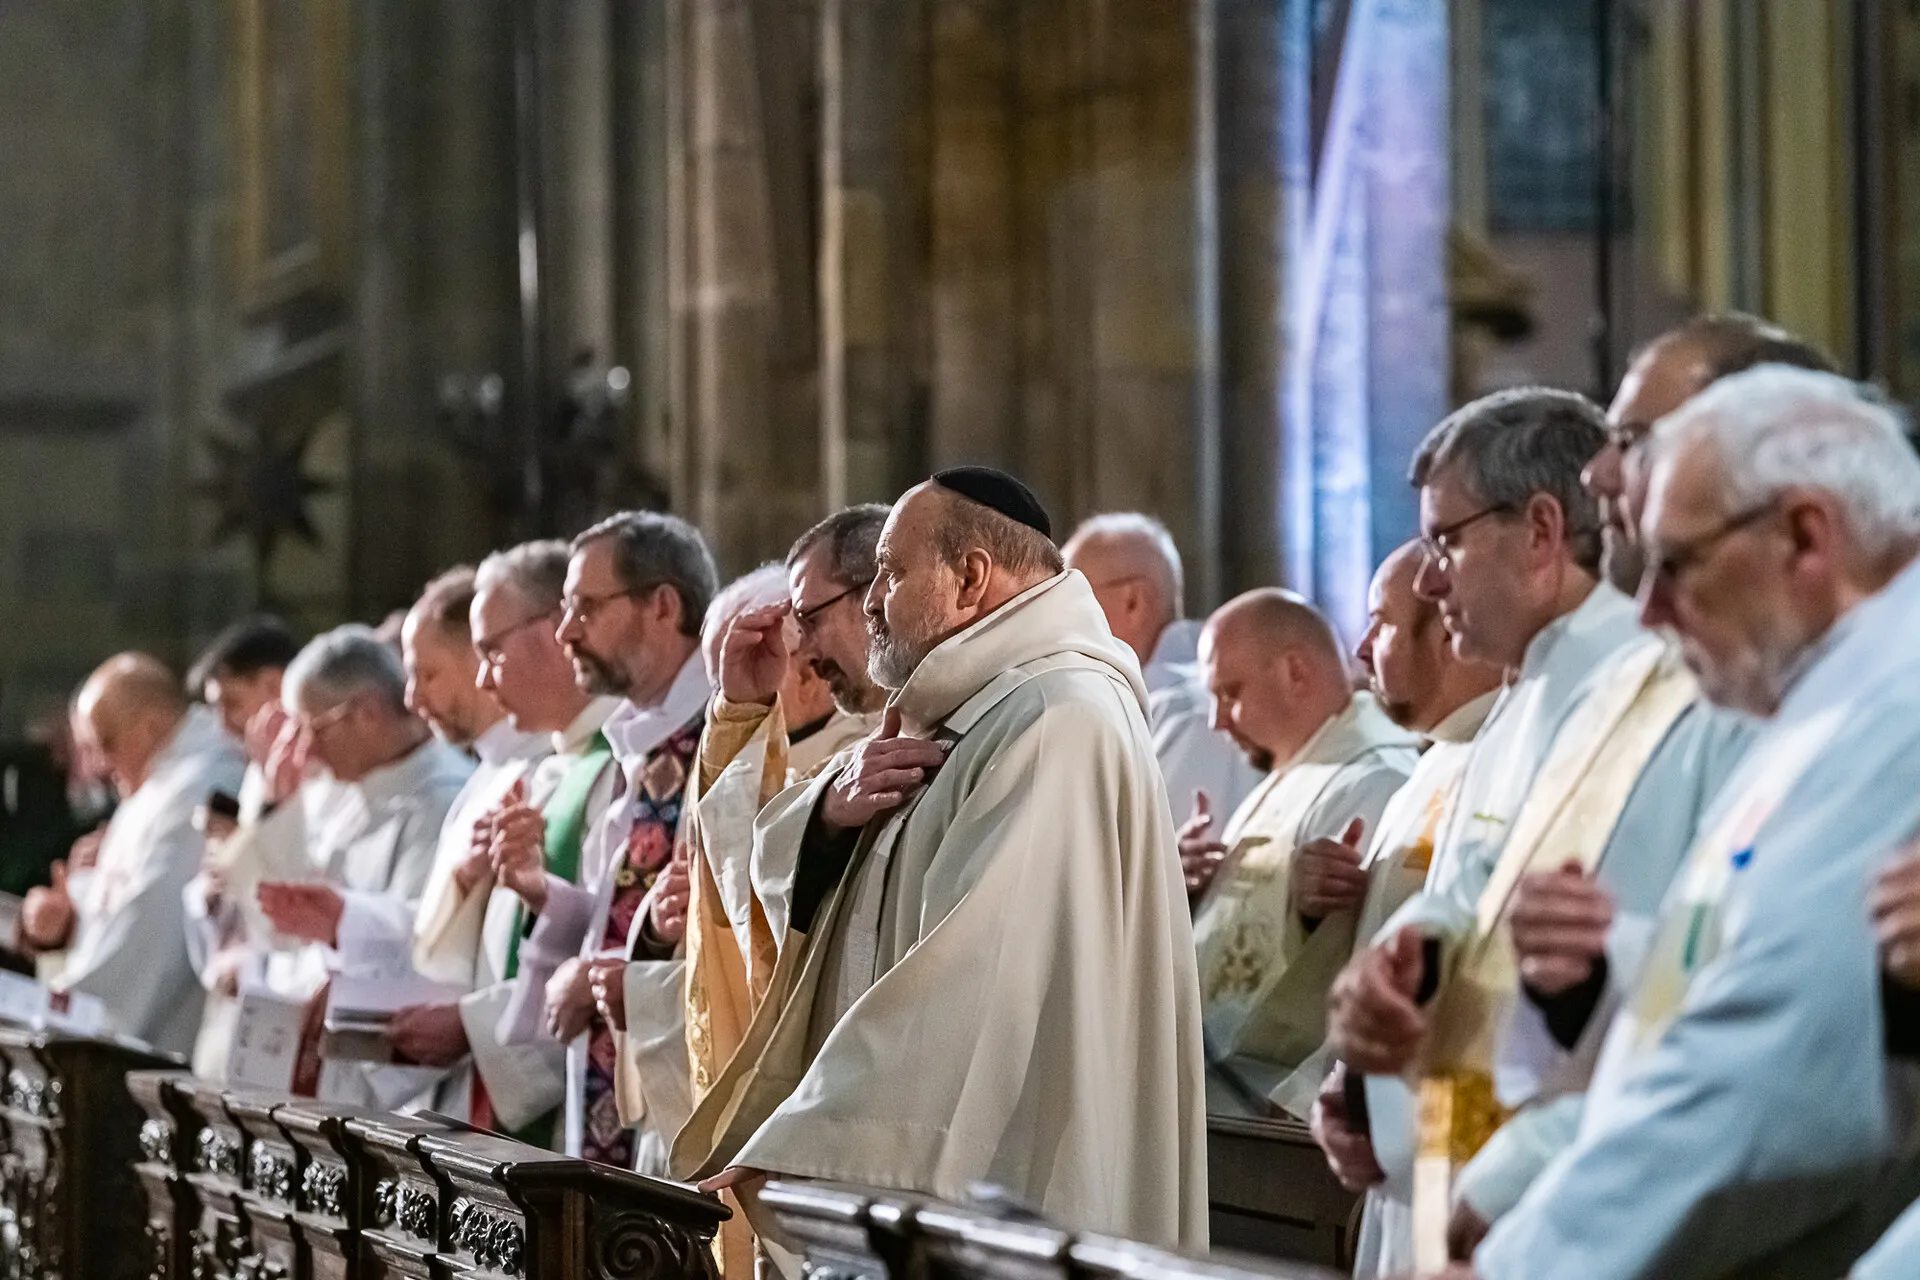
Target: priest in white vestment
(1578, 936)
(638, 585)
(368, 852)
(468, 929)
(1424, 687)
(1282, 691)
(1136, 573)
(1743, 1118)
(124, 931)
(443, 689)
(238, 675)
(986, 970)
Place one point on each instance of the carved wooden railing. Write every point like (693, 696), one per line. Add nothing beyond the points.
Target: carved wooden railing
(71, 1204)
(854, 1233)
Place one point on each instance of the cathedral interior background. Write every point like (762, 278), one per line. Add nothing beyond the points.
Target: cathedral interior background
(302, 300)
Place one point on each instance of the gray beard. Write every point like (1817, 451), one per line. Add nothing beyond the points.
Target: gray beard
(890, 664)
(597, 676)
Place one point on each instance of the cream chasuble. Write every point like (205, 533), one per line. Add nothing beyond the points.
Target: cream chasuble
(1742, 1110)
(1011, 949)
(1576, 798)
(1256, 954)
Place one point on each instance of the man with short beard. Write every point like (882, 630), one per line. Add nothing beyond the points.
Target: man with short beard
(986, 970)
(1781, 528)
(638, 585)
(749, 754)
(1268, 951)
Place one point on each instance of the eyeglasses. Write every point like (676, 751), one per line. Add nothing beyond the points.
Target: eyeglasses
(806, 617)
(1435, 546)
(1669, 566)
(488, 647)
(584, 607)
(313, 725)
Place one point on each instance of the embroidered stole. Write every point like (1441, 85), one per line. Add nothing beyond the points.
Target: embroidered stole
(1569, 815)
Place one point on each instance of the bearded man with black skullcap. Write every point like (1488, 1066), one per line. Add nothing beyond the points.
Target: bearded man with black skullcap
(987, 972)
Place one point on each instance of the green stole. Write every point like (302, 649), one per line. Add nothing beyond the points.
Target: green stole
(566, 815)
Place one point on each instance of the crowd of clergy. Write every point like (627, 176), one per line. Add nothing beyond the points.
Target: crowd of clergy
(1576, 909)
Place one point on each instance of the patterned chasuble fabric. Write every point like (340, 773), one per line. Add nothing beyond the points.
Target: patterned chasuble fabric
(650, 846)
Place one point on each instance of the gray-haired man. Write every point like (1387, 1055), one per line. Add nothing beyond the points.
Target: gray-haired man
(638, 586)
(393, 782)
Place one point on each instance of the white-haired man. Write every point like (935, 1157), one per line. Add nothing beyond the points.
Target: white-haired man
(1742, 1115)
(1135, 570)
(468, 929)
(393, 783)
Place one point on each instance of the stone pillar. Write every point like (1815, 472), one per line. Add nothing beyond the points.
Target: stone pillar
(872, 252)
(1247, 111)
(974, 303)
(752, 452)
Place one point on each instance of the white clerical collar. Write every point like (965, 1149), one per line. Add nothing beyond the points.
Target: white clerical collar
(573, 740)
(634, 732)
(503, 744)
(1175, 655)
(1464, 721)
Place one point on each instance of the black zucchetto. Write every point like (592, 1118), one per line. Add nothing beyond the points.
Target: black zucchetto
(999, 491)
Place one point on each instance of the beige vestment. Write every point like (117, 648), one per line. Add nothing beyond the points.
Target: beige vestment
(1263, 973)
(1009, 954)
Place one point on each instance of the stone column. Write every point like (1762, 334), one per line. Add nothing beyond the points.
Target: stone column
(746, 307)
(872, 250)
(1247, 111)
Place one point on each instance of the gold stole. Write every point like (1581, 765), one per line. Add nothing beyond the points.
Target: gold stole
(1569, 814)
(725, 987)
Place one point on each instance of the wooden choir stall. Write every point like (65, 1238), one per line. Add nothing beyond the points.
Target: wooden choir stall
(117, 1165)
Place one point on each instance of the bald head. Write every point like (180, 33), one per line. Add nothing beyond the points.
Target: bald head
(1407, 653)
(1274, 669)
(1134, 568)
(129, 707)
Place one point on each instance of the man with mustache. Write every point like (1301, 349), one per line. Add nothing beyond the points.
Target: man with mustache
(986, 970)
(1270, 943)
(637, 588)
(768, 658)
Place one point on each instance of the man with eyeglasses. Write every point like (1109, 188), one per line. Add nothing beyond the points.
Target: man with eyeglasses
(466, 931)
(1573, 926)
(1511, 558)
(372, 844)
(1742, 1118)
(1134, 567)
(637, 588)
